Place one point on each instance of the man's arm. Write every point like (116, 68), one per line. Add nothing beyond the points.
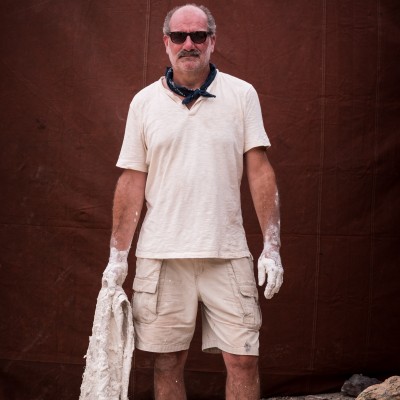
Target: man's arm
(128, 203)
(264, 193)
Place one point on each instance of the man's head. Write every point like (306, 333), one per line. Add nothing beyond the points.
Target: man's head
(211, 26)
(189, 52)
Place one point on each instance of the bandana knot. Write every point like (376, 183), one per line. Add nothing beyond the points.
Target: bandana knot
(190, 94)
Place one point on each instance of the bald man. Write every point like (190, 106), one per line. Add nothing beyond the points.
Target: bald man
(188, 138)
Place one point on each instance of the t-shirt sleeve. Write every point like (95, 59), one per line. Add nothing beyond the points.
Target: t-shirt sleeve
(255, 135)
(133, 151)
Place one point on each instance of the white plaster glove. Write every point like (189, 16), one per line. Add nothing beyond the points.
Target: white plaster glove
(269, 264)
(117, 269)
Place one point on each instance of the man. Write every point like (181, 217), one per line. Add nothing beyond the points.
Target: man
(188, 137)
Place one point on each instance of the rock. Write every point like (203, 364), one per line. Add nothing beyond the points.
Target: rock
(388, 390)
(327, 396)
(356, 384)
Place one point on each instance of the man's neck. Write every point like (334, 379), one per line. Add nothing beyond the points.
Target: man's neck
(191, 79)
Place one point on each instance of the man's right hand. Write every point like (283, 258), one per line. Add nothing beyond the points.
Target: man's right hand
(117, 269)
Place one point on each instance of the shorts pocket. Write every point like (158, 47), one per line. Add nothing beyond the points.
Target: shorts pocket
(247, 294)
(145, 286)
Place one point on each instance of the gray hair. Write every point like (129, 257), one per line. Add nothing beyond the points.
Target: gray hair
(211, 26)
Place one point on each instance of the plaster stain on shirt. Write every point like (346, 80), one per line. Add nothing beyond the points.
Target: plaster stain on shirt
(247, 347)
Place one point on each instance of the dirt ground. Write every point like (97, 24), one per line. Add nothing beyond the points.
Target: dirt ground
(328, 396)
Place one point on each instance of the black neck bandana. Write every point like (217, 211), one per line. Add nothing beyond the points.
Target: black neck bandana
(190, 94)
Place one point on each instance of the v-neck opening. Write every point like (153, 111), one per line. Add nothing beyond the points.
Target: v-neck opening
(178, 99)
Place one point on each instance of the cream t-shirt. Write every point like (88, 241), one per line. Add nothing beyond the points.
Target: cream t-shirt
(194, 161)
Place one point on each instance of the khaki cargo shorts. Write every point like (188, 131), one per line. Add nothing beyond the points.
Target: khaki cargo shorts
(167, 294)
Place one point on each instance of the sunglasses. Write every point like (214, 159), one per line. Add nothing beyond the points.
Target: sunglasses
(196, 37)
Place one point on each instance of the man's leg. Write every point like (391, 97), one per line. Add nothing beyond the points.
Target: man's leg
(242, 381)
(168, 376)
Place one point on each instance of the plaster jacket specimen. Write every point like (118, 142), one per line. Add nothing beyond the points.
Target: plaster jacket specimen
(109, 355)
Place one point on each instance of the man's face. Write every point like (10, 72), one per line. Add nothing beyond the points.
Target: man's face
(189, 56)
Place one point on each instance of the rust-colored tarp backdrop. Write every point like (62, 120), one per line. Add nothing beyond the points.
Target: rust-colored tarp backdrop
(327, 73)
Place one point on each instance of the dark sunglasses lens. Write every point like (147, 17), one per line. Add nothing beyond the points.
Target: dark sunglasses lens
(178, 37)
(196, 37)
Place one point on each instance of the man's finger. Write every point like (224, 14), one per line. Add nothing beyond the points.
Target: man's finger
(261, 273)
(271, 283)
(279, 281)
(269, 291)
(109, 280)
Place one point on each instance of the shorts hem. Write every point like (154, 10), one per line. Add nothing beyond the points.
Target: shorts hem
(157, 348)
(214, 347)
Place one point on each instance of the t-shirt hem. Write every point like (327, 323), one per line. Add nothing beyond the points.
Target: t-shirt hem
(134, 166)
(204, 254)
(264, 143)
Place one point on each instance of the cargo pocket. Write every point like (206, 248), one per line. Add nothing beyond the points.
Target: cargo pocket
(145, 286)
(247, 294)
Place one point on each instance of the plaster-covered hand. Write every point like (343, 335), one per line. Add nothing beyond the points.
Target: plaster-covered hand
(270, 267)
(117, 268)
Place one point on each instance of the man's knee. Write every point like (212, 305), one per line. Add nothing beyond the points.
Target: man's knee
(165, 362)
(234, 362)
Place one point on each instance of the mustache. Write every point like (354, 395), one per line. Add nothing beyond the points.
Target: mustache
(188, 53)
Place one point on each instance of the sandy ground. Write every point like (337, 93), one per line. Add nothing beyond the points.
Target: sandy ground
(328, 396)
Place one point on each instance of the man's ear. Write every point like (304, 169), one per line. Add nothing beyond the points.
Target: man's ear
(166, 42)
(213, 40)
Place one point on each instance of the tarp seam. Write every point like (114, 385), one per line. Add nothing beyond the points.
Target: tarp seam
(320, 186)
(146, 43)
(374, 180)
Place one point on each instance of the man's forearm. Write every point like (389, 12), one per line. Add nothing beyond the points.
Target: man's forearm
(128, 203)
(265, 197)
(269, 215)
